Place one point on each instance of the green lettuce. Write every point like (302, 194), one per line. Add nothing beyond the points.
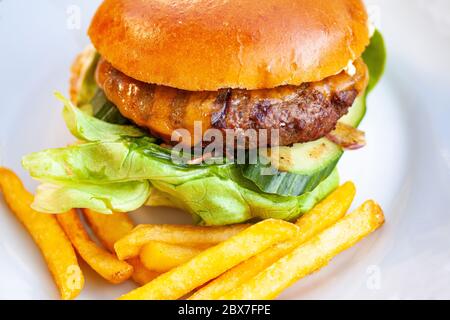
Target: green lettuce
(104, 198)
(88, 84)
(118, 167)
(216, 201)
(93, 129)
(375, 58)
(105, 162)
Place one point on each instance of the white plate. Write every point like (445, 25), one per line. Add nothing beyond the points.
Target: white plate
(405, 166)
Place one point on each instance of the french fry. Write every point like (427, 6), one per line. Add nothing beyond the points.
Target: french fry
(47, 234)
(141, 274)
(215, 260)
(104, 263)
(312, 255)
(162, 257)
(322, 216)
(193, 236)
(111, 227)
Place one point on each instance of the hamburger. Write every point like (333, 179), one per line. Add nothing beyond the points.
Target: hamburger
(156, 98)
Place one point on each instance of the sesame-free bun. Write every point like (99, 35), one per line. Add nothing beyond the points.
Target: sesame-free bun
(211, 44)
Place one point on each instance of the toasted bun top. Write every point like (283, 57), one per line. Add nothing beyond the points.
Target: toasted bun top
(208, 45)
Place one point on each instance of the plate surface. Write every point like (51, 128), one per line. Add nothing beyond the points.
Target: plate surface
(405, 167)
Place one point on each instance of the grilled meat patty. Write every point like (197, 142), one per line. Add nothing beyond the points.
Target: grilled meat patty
(300, 113)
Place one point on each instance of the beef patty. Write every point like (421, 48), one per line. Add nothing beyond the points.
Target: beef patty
(300, 113)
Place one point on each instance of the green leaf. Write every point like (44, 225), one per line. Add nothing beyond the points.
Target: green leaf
(104, 162)
(215, 195)
(88, 128)
(121, 197)
(105, 110)
(375, 59)
(88, 85)
(92, 99)
(216, 201)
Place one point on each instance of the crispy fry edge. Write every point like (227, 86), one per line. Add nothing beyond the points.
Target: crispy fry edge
(109, 229)
(104, 263)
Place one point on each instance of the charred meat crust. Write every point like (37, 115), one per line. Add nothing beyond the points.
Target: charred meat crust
(304, 115)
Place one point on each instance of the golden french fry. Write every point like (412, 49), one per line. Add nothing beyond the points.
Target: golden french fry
(322, 216)
(47, 234)
(214, 261)
(193, 236)
(141, 274)
(312, 255)
(111, 227)
(104, 263)
(162, 257)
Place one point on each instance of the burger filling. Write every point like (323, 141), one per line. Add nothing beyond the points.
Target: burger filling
(300, 113)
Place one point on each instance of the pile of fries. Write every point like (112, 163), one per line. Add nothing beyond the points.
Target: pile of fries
(235, 262)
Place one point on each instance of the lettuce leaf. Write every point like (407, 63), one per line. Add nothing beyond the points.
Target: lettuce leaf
(215, 201)
(92, 129)
(88, 84)
(105, 162)
(119, 168)
(105, 110)
(123, 197)
(375, 57)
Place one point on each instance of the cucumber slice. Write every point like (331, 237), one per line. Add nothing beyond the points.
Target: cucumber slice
(301, 168)
(297, 169)
(306, 158)
(356, 113)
